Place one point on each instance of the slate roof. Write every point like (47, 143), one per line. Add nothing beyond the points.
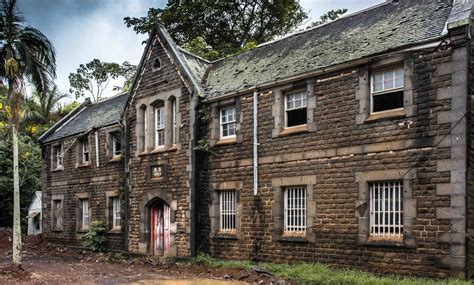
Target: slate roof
(95, 115)
(197, 65)
(385, 27)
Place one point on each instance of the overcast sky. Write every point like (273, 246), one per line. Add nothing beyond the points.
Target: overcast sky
(82, 30)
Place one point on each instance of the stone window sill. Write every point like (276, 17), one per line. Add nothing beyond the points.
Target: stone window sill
(115, 231)
(385, 242)
(116, 158)
(293, 130)
(83, 165)
(160, 149)
(227, 141)
(391, 114)
(61, 168)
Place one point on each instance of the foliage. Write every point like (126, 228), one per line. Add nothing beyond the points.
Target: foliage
(329, 16)
(42, 110)
(219, 28)
(316, 273)
(94, 77)
(30, 175)
(95, 238)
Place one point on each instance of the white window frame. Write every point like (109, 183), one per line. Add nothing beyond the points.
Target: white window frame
(385, 90)
(86, 151)
(295, 209)
(381, 211)
(116, 213)
(160, 126)
(304, 104)
(173, 123)
(224, 121)
(116, 136)
(227, 211)
(58, 155)
(86, 213)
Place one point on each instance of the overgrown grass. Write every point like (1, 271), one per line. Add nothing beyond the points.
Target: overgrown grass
(322, 274)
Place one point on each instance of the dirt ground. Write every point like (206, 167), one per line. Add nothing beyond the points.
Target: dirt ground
(47, 263)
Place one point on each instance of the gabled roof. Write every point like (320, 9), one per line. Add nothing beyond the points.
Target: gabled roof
(88, 117)
(389, 26)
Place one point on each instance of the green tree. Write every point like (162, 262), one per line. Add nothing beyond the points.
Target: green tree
(329, 16)
(42, 109)
(222, 27)
(27, 54)
(95, 76)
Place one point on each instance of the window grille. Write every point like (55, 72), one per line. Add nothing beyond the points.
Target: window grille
(160, 126)
(116, 213)
(387, 90)
(228, 122)
(85, 213)
(296, 108)
(295, 209)
(386, 208)
(227, 210)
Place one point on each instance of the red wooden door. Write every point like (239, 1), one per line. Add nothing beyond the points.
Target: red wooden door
(160, 229)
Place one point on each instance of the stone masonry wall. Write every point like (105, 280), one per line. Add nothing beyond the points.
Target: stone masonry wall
(333, 153)
(91, 179)
(174, 189)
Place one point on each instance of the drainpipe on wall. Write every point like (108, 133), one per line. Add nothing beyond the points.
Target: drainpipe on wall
(255, 143)
(126, 185)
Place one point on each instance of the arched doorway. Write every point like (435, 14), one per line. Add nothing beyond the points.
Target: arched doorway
(160, 228)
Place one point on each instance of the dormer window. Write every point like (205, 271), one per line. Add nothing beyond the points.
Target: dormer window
(296, 108)
(387, 90)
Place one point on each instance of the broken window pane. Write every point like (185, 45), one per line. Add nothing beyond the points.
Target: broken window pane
(296, 117)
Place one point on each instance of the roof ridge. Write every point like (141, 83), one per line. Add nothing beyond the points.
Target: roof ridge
(109, 98)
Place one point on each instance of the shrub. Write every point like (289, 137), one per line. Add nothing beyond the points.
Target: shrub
(95, 238)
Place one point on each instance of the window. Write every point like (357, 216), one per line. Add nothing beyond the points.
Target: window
(116, 144)
(295, 210)
(85, 151)
(85, 217)
(116, 213)
(228, 122)
(159, 126)
(57, 214)
(57, 156)
(227, 211)
(156, 64)
(173, 124)
(296, 108)
(386, 208)
(387, 90)
(142, 126)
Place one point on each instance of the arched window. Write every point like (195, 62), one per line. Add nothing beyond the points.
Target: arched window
(142, 131)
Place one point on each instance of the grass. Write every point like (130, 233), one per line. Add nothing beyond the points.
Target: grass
(322, 274)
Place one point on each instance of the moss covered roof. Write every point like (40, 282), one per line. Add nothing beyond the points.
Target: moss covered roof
(94, 115)
(382, 28)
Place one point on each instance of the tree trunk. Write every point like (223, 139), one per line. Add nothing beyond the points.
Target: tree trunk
(16, 201)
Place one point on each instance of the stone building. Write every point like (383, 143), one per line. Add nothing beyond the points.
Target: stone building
(347, 144)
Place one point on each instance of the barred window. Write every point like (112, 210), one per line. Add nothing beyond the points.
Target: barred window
(295, 209)
(116, 213)
(227, 211)
(160, 126)
(228, 122)
(386, 208)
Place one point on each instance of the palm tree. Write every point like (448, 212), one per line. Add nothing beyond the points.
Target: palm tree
(41, 110)
(26, 54)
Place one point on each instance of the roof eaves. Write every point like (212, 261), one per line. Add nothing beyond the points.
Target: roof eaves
(64, 120)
